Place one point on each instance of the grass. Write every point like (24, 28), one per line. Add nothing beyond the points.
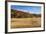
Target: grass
(25, 22)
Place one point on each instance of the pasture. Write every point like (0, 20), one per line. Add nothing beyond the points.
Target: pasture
(25, 22)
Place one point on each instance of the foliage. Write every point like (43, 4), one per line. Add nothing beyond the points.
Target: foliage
(20, 14)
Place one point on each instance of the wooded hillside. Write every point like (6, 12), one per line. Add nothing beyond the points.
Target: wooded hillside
(20, 14)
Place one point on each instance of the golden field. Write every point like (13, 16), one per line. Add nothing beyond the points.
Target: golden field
(25, 22)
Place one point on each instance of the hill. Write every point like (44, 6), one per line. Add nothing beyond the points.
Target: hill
(21, 14)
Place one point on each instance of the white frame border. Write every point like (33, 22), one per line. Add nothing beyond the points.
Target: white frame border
(24, 29)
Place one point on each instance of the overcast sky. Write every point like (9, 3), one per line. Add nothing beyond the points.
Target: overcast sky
(30, 9)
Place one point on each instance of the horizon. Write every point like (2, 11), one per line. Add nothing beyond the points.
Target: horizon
(29, 9)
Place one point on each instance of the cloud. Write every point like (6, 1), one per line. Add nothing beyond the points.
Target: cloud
(28, 11)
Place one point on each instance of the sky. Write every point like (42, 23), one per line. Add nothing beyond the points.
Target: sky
(30, 9)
